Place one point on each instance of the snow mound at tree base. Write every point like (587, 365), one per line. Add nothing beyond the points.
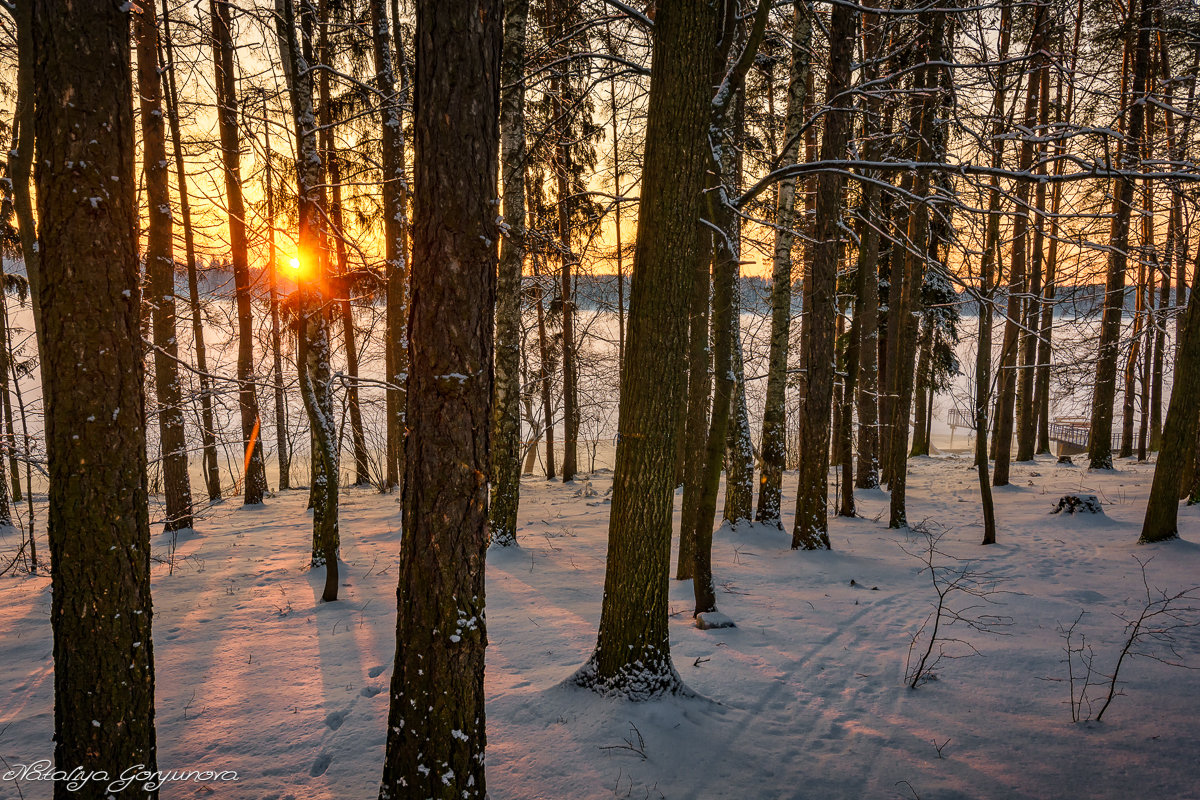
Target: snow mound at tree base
(1078, 504)
(709, 620)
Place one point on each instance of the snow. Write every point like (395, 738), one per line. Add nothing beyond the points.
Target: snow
(804, 698)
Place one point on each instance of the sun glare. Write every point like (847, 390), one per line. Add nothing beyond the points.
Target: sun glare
(295, 263)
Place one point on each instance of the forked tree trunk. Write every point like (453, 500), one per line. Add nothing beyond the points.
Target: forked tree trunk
(440, 628)
(99, 526)
(506, 411)
(160, 266)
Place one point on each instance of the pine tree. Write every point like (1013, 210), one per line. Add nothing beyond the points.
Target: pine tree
(436, 732)
(633, 656)
(99, 525)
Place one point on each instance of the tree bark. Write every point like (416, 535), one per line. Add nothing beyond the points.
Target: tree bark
(811, 528)
(1128, 153)
(315, 298)
(774, 427)
(633, 655)
(1179, 432)
(440, 628)
(395, 232)
(699, 388)
(506, 411)
(282, 449)
(99, 527)
(255, 479)
(160, 266)
(208, 439)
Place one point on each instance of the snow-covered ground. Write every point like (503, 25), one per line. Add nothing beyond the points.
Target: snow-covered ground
(804, 699)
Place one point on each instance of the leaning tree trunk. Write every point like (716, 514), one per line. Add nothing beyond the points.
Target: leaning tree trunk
(99, 526)
(1128, 153)
(633, 650)
(208, 437)
(160, 266)
(227, 120)
(440, 629)
(506, 410)
(774, 428)
(1179, 432)
(811, 528)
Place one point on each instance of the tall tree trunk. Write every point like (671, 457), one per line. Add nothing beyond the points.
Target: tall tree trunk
(699, 388)
(864, 331)
(1045, 352)
(255, 478)
(208, 437)
(160, 266)
(920, 442)
(395, 228)
(1129, 149)
(10, 440)
(546, 368)
(633, 650)
(987, 284)
(313, 352)
(1014, 405)
(99, 526)
(774, 428)
(811, 528)
(506, 410)
(283, 450)
(1027, 432)
(440, 628)
(21, 166)
(930, 145)
(333, 179)
(738, 449)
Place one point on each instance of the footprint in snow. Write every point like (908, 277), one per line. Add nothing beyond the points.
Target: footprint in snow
(334, 719)
(320, 765)
(375, 672)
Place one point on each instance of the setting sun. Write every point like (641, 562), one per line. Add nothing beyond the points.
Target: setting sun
(295, 263)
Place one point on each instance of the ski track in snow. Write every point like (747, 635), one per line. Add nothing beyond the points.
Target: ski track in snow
(804, 699)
